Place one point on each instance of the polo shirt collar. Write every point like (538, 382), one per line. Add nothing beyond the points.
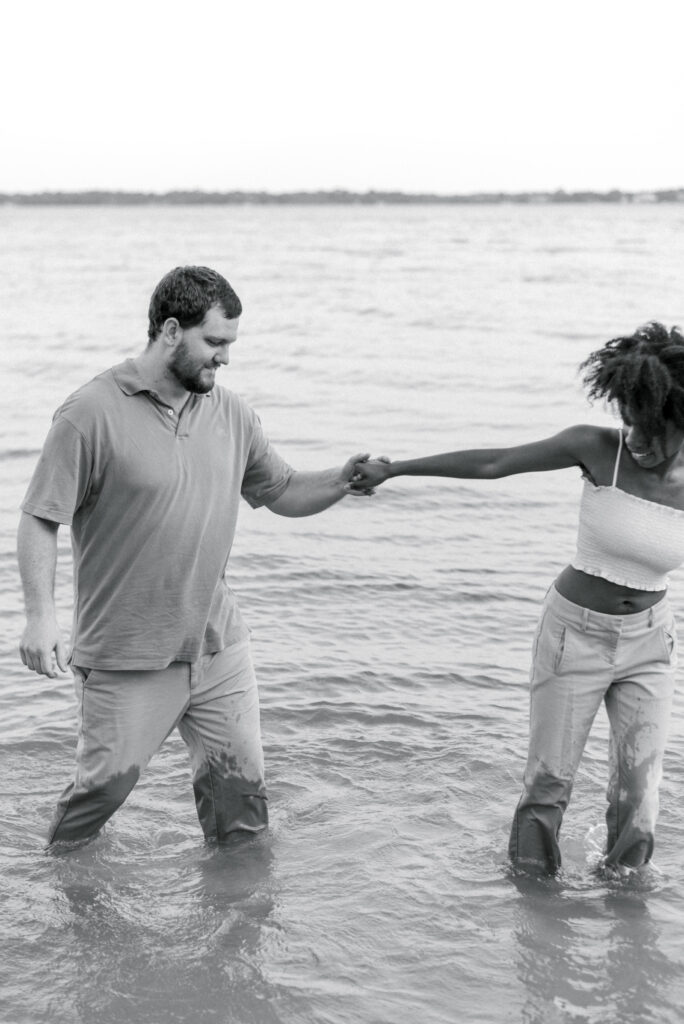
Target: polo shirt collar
(130, 379)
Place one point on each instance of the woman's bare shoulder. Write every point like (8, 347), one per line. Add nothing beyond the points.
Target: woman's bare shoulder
(596, 449)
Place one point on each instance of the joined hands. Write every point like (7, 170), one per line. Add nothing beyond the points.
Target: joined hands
(368, 474)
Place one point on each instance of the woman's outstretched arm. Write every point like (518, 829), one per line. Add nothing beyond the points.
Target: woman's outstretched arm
(568, 448)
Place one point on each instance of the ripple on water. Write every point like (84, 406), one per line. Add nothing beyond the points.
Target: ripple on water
(391, 638)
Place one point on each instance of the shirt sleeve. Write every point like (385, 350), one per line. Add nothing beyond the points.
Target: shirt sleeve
(61, 478)
(266, 474)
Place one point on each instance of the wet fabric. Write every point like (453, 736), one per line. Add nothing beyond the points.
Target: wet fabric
(152, 498)
(124, 717)
(580, 659)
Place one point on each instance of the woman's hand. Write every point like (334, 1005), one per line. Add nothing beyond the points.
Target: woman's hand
(370, 473)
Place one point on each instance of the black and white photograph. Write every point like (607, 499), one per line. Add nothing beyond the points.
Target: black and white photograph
(342, 513)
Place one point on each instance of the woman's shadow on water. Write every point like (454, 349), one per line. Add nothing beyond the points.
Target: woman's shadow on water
(589, 955)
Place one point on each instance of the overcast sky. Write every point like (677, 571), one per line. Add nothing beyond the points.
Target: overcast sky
(360, 94)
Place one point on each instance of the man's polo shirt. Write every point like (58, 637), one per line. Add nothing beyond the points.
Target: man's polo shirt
(152, 500)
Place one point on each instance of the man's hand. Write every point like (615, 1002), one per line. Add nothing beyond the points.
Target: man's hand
(41, 646)
(350, 474)
(369, 474)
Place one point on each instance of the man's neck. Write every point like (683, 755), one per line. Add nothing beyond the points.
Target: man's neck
(161, 380)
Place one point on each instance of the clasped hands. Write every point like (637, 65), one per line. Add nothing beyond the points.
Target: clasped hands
(365, 474)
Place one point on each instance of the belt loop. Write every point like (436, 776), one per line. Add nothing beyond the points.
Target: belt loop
(585, 619)
(650, 617)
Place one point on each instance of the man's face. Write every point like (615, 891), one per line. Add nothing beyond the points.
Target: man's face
(202, 349)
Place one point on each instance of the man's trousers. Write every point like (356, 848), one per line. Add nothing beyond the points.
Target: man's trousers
(124, 717)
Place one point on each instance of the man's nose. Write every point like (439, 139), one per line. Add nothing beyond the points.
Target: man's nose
(222, 356)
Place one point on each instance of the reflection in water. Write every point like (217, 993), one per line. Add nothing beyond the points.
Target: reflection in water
(392, 636)
(190, 948)
(588, 956)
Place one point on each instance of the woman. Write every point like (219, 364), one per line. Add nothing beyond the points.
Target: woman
(606, 631)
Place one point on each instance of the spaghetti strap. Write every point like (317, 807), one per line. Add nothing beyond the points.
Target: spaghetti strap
(617, 461)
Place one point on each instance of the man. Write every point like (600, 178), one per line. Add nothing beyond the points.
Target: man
(146, 464)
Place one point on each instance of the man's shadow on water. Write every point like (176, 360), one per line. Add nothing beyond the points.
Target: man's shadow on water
(235, 881)
(583, 956)
(187, 929)
(229, 871)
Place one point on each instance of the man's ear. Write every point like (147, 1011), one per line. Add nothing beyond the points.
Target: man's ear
(171, 332)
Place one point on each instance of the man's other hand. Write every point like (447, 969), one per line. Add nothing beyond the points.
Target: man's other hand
(41, 647)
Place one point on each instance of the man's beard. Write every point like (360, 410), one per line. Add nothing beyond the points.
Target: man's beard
(187, 373)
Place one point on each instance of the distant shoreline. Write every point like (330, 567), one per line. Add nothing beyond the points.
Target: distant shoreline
(337, 197)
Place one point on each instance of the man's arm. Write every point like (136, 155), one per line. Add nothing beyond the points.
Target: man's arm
(308, 493)
(37, 551)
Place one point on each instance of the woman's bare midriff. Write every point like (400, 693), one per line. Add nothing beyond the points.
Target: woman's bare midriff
(601, 595)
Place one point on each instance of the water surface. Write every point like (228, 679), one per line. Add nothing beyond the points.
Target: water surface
(391, 635)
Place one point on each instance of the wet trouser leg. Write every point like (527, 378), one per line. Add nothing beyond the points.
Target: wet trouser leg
(124, 717)
(581, 658)
(639, 714)
(561, 716)
(221, 728)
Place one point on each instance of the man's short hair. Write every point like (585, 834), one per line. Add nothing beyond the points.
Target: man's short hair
(187, 294)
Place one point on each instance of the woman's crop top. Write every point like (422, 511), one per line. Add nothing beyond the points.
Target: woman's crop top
(627, 539)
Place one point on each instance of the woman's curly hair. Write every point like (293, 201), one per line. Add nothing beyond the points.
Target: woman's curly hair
(643, 373)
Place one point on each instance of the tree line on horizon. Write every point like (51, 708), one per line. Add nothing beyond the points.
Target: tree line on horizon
(95, 197)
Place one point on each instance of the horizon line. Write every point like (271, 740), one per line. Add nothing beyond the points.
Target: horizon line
(98, 196)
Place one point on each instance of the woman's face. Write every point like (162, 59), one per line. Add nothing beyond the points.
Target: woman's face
(650, 453)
